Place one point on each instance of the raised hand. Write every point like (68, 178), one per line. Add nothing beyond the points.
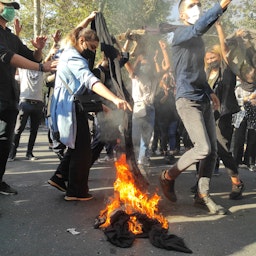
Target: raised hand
(39, 42)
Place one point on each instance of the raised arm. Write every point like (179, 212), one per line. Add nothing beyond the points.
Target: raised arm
(223, 45)
(166, 61)
(87, 20)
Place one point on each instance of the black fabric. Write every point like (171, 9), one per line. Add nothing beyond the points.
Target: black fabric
(10, 44)
(109, 50)
(242, 54)
(118, 232)
(248, 87)
(161, 239)
(107, 45)
(224, 88)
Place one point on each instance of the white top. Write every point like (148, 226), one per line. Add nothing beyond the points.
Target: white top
(141, 92)
(31, 84)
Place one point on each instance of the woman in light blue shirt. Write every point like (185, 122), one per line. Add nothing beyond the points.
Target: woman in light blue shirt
(68, 119)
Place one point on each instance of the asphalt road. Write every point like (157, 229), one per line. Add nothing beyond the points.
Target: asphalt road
(35, 222)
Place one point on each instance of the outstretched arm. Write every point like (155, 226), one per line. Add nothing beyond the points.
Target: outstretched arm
(21, 62)
(223, 45)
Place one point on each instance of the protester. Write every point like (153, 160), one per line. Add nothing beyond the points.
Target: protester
(69, 118)
(166, 117)
(240, 121)
(30, 106)
(13, 53)
(223, 81)
(193, 100)
(101, 136)
(143, 91)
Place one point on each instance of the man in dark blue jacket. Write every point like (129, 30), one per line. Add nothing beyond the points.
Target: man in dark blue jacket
(195, 101)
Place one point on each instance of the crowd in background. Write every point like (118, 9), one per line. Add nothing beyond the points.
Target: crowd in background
(156, 126)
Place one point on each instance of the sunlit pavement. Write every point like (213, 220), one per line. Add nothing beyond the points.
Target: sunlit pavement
(35, 222)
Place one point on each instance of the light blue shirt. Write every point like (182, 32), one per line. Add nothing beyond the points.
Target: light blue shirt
(72, 70)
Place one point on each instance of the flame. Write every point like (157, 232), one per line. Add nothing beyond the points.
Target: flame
(130, 199)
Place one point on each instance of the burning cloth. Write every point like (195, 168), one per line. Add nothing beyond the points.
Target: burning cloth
(132, 214)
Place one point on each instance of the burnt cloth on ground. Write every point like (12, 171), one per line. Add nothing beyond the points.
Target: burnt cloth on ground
(118, 233)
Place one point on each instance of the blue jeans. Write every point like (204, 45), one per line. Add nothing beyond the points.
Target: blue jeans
(142, 129)
(172, 131)
(198, 119)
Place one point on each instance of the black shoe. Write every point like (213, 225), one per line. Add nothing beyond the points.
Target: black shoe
(12, 155)
(5, 189)
(193, 189)
(87, 197)
(237, 191)
(58, 183)
(60, 154)
(169, 159)
(31, 157)
(168, 187)
(210, 205)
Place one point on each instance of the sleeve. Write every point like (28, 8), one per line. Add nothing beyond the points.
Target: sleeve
(201, 26)
(5, 55)
(24, 51)
(80, 69)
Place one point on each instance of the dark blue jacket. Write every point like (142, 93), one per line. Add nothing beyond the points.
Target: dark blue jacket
(188, 57)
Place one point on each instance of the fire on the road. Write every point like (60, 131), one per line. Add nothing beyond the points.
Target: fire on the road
(131, 200)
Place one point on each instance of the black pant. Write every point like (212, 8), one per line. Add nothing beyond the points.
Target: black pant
(76, 163)
(8, 113)
(224, 130)
(32, 109)
(250, 152)
(239, 138)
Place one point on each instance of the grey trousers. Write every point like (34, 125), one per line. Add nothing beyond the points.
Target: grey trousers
(198, 119)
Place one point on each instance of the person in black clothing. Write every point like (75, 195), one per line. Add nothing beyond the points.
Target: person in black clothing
(101, 136)
(13, 53)
(223, 82)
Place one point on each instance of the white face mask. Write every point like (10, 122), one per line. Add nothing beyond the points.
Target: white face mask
(193, 14)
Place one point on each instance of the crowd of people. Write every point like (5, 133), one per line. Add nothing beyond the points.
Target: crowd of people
(194, 96)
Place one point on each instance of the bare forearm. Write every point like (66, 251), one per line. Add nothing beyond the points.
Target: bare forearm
(21, 62)
(38, 54)
(166, 61)
(103, 91)
(224, 48)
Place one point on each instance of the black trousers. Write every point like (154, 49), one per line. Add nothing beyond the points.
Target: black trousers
(239, 139)
(75, 165)
(34, 110)
(224, 130)
(8, 113)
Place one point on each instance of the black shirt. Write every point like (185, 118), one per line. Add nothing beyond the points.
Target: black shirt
(9, 45)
